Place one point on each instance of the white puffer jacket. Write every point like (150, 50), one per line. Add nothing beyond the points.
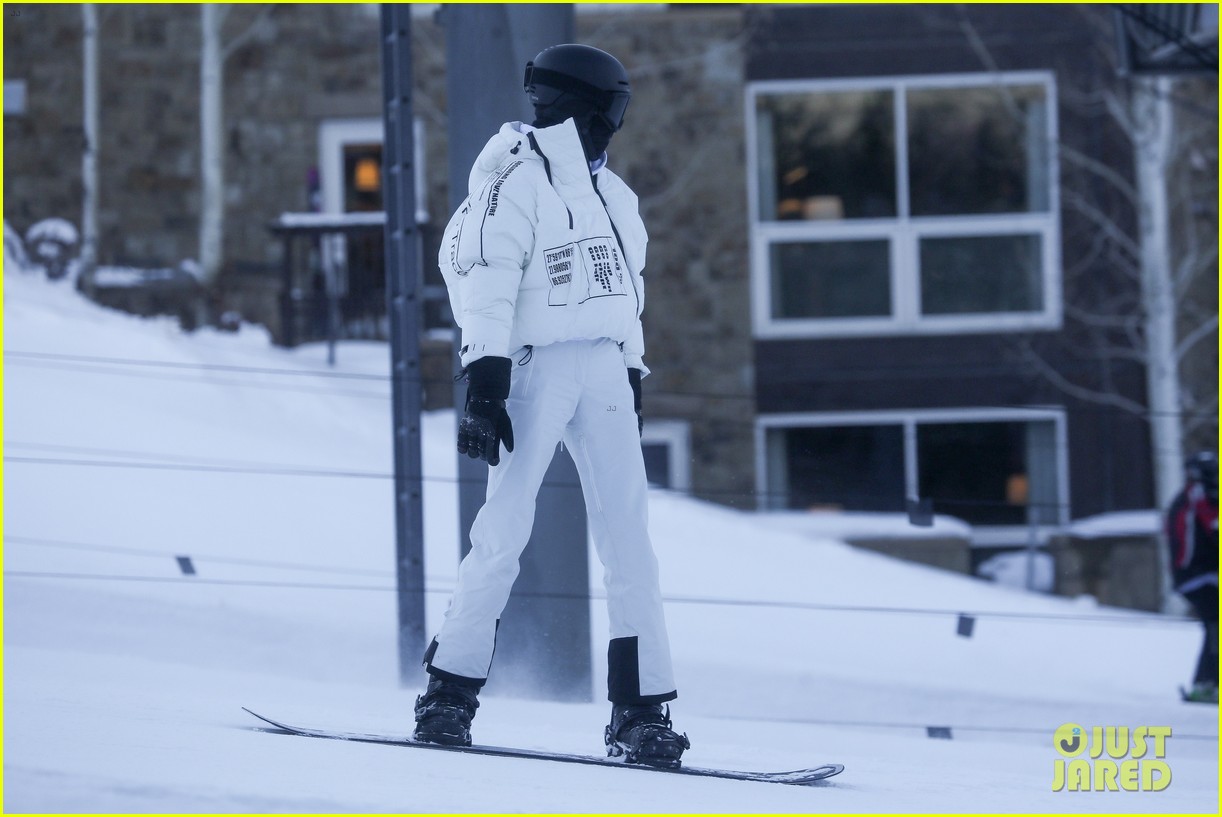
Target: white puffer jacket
(543, 250)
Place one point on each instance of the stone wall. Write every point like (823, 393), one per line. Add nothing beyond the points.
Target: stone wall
(42, 147)
(946, 553)
(1119, 571)
(302, 64)
(682, 150)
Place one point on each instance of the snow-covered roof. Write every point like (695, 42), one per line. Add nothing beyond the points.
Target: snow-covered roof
(320, 220)
(1120, 523)
(113, 277)
(54, 229)
(849, 526)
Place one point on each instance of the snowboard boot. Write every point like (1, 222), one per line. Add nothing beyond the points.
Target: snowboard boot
(642, 734)
(1202, 692)
(444, 712)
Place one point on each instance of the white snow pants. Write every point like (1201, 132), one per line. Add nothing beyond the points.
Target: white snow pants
(577, 391)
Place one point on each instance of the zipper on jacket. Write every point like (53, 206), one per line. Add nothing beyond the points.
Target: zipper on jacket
(547, 168)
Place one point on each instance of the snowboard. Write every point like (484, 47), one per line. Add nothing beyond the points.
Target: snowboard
(799, 777)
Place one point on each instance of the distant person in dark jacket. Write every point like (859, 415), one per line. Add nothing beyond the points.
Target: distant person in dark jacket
(1192, 534)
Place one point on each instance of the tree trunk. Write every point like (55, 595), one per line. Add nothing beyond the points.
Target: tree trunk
(89, 155)
(1153, 144)
(212, 204)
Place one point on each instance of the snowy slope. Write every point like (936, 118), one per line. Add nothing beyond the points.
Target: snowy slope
(128, 444)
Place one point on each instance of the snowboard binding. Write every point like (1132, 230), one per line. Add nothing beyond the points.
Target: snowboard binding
(643, 735)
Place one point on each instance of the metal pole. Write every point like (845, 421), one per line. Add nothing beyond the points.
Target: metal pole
(543, 643)
(331, 287)
(403, 307)
(1033, 536)
(89, 158)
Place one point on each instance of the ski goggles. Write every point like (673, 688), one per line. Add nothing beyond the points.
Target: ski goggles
(546, 87)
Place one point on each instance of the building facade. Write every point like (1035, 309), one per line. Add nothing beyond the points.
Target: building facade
(937, 220)
(871, 245)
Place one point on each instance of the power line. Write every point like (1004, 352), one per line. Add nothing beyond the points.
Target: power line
(132, 551)
(831, 374)
(162, 461)
(205, 467)
(199, 580)
(215, 469)
(215, 466)
(1133, 619)
(296, 471)
(98, 369)
(146, 455)
(1016, 730)
(209, 367)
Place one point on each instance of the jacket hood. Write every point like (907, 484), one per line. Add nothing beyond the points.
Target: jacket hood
(498, 149)
(560, 143)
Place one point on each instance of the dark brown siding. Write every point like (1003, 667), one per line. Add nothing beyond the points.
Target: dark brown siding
(885, 40)
(1109, 458)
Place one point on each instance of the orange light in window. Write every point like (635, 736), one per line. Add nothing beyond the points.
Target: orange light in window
(1018, 489)
(368, 176)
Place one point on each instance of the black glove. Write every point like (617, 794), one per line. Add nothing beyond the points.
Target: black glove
(485, 423)
(634, 380)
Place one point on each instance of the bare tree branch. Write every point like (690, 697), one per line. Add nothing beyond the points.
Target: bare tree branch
(1201, 416)
(694, 165)
(1102, 221)
(1101, 170)
(1193, 265)
(1119, 111)
(1100, 320)
(976, 43)
(1194, 424)
(250, 31)
(1196, 336)
(1098, 246)
(1032, 358)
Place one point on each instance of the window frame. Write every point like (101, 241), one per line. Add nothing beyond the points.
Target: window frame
(16, 97)
(904, 231)
(676, 437)
(337, 133)
(908, 420)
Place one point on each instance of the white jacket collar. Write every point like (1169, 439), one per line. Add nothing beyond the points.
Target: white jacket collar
(559, 143)
(508, 140)
(595, 166)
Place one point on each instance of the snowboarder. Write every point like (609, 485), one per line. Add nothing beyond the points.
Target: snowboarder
(1192, 534)
(543, 266)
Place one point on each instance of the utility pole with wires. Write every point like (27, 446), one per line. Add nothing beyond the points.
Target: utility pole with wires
(403, 289)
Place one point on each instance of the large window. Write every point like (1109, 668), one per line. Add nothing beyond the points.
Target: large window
(666, 446)
(837, 467)
(893, 206)
(990, 467)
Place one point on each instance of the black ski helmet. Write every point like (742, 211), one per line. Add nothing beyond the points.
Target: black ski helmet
(1202, 467)
(583, 71)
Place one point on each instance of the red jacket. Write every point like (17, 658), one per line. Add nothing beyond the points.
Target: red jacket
(1192, 534)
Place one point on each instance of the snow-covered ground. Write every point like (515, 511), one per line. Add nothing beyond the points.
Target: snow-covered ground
(129, 444)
